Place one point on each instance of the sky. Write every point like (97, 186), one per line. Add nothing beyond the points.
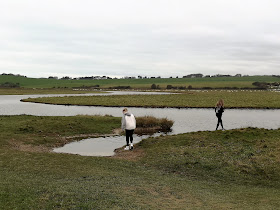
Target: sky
(120, 38)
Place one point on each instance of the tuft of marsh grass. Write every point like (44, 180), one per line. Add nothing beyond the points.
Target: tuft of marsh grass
(150, 121)
(150, 124)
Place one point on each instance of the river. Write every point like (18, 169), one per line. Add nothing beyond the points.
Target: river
(185, 119)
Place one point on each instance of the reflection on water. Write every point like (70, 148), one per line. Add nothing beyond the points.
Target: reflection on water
(185, 120)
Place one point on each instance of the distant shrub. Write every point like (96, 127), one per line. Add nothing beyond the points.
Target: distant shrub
(10, 85)
(89, 87)
(120, 87)
(175, 87)
(169, 87)
(182, 87)
(154, 86)
(261, 84)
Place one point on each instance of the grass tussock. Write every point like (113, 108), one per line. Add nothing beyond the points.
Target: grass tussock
(153, 123)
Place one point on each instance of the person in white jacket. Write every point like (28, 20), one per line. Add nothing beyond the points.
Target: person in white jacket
(128, 124)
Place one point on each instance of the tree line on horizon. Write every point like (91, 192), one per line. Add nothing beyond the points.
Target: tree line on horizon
(199, 75)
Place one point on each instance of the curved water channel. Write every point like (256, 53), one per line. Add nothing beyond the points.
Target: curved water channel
(185, 120)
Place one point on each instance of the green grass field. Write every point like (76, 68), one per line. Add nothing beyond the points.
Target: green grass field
(194, 99)
(214, 82)
(235, 169)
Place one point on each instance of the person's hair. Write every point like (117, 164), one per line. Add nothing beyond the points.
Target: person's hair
(220, 103)
(124, 110)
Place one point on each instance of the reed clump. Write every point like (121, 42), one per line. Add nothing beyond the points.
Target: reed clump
(150, 124)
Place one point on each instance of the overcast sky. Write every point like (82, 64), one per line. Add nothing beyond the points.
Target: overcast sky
(139, 37)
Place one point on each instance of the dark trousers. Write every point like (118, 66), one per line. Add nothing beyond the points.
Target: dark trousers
(129, 136)
(219, 121)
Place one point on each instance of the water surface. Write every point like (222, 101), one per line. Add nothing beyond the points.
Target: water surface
(185, 119)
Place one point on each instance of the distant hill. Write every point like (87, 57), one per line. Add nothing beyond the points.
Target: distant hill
(146, 83)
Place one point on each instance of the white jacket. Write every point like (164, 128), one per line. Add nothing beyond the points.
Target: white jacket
(128, 121)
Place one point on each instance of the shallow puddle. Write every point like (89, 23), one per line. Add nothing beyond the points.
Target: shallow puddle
(103, 146)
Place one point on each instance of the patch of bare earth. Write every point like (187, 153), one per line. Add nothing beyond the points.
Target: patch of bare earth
(27, 147)
(132, 155)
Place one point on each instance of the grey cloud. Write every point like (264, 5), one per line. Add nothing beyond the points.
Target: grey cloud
(184, 44)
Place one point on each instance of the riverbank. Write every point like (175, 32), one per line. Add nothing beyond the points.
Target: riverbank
(236, 169)
(188, 99)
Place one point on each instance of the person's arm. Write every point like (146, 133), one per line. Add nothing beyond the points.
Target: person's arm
(134, 121)
(123, 122)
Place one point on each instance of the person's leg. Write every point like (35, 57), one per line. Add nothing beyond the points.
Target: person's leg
(217, 123)
(127, 137)
(131, 136)
(221, 123)
(127, 140)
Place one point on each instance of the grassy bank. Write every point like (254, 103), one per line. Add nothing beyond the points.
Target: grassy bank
(194, 99)
(214, 82)
(249, 156)
(48, 132)
(236, 169)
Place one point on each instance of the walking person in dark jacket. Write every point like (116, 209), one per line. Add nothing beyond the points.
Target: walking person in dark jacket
(128, 124)
(219, 109)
